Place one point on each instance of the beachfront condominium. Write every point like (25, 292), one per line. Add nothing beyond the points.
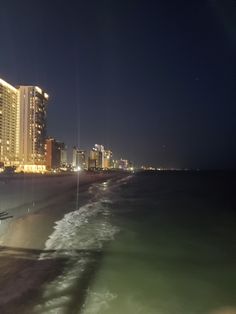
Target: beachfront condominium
(32, 125)
(107, 159)
(22, 125)
(55, 154)
(79, 160)
(96, 157)
(99, 149)
(9, 123)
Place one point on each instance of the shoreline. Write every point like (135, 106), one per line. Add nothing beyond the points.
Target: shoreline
(22, 240)
(61, 193)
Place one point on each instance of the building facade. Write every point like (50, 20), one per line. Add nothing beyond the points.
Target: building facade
(79, 159)
(54, 154)
(107, 159)
(9, 124)
(63, 154)
(22, 126)
(32, 124)
(93, 160)
(97, 155)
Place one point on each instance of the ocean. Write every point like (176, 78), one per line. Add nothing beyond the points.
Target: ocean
(150, 243)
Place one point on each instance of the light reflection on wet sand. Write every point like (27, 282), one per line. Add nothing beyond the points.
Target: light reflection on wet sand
(22, 240)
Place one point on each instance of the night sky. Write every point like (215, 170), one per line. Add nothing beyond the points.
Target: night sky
(155, 81)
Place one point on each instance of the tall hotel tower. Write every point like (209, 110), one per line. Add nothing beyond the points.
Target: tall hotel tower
(9, 140)
(32, 125)
(22, 126)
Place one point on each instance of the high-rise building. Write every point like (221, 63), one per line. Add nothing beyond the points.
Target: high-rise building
(99, 158)
(32, 124)
(9, 110)
(22, 126)
(55, 154)
(92, 164)
(97, 153)
(79, 158)
(93, 160)
(124, 164)
(107, 159)
(63, 151)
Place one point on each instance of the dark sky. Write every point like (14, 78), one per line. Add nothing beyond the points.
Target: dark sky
(155, 81)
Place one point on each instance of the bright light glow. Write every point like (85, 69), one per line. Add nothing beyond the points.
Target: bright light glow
(39, 90)
(32, 168)
(46, 95)
(2, 82)
(63, 168)
(78, 168)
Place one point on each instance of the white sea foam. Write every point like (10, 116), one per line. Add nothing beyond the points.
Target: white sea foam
(97, 302)
(124, 180)
(76, 238)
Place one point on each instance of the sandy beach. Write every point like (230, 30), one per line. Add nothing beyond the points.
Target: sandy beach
(35, 203)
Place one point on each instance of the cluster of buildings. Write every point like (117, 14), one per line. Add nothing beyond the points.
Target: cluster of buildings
(24, 144)
(98, 158)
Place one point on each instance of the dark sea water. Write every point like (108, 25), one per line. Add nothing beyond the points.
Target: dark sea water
(151, 243)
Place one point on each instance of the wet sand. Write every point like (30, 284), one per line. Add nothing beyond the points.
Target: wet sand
(34, 208)
(30, 199)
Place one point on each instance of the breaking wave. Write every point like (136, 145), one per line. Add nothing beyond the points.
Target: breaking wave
(97, 302)
(79, 238)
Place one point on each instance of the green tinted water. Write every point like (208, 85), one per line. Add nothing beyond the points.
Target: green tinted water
(168, 262)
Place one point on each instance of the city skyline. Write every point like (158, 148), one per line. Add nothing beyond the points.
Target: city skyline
(29, 127)
(25, 144)
(150, 79)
